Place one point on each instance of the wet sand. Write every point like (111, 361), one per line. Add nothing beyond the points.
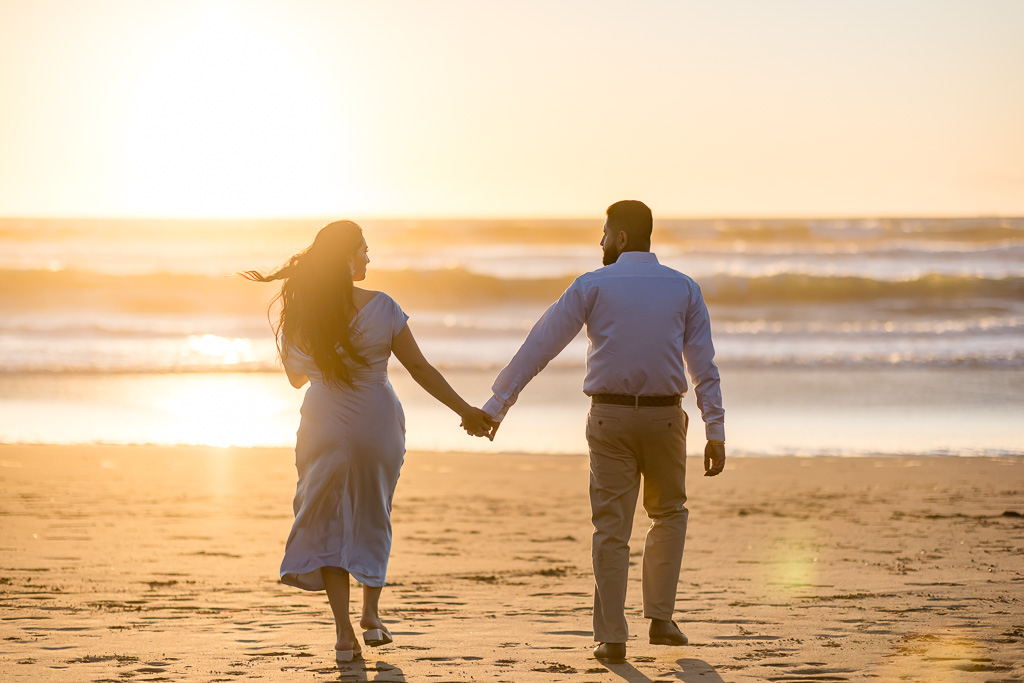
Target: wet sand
(151, 563)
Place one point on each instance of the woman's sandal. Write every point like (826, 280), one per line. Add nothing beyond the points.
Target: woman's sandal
(377, 636)
(346, 656)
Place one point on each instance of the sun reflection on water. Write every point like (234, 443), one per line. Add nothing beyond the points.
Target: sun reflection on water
(227, 351)
(219, 411)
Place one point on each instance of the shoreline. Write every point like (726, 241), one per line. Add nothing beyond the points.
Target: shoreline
(820, 453)
(769, 412)
(160, 563)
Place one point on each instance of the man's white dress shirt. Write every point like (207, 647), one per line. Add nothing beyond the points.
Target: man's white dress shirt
(644, 320)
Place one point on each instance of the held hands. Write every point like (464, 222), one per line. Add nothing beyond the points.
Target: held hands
(714, 459)
(478, 423)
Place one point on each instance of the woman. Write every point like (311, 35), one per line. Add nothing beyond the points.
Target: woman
(351, 438)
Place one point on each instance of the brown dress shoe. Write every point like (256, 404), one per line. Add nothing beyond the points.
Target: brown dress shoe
(666, 633)
(612, 652)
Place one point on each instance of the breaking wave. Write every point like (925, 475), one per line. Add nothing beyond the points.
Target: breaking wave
(457, 288)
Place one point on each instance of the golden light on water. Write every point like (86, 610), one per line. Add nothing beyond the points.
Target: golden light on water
(218, 411)
(226, 351)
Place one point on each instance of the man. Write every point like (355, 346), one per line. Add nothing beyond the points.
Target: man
(643, 321)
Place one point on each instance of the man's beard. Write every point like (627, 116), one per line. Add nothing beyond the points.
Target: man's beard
(611, 255)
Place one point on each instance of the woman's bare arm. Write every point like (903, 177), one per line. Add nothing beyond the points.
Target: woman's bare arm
(408, 353)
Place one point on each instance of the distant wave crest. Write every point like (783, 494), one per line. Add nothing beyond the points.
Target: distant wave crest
(457, 288)
(799, 288)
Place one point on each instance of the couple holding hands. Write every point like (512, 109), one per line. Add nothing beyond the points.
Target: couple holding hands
(647, 327)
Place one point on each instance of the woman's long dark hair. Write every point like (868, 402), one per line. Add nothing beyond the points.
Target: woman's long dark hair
(316, 300)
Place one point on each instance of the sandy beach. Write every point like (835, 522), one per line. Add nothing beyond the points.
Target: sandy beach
(150, 563)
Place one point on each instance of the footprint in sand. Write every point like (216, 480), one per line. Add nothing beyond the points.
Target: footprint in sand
(556, 668)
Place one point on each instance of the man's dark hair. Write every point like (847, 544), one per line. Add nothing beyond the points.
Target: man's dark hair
(635, 219)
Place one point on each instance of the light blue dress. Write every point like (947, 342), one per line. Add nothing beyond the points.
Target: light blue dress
(348, 452)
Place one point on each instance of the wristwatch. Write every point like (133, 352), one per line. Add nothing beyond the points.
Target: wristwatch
(715, 442)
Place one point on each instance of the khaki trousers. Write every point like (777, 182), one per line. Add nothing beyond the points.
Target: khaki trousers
(626, 443)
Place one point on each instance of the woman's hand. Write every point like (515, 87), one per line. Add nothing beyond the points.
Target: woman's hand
(478, 423)
(407, 351)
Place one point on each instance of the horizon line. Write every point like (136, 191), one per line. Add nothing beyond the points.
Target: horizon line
(319, 218)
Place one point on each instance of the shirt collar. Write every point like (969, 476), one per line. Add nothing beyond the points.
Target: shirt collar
(637, 257)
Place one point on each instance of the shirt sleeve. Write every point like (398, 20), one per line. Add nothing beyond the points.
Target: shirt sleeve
(699, 356)
(556, 328)
(295, 361)
(398, 319)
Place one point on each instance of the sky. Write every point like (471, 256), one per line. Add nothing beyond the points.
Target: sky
(531, 108)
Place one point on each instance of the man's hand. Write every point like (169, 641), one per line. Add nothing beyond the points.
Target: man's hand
(494, 430)
(714, 459)
(478, 423)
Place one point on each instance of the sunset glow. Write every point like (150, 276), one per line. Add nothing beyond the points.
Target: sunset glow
(228, 121)
(230, 108)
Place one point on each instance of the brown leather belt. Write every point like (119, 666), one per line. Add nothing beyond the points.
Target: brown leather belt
(636, 401)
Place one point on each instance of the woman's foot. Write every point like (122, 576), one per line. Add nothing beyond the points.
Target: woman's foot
(347, 646)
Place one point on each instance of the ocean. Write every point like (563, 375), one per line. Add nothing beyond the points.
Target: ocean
(834, 336)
